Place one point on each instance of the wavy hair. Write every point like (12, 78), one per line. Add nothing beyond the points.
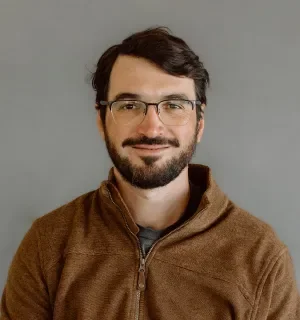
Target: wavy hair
(159, 46)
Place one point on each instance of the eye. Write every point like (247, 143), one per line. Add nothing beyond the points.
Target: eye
(127, 105)
(173, 105)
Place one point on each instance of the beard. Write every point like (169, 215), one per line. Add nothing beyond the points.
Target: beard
(150, 175)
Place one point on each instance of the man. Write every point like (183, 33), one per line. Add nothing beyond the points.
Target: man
(158, 239)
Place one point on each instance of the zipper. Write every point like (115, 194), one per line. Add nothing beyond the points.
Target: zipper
(141, 276)
(141, 283)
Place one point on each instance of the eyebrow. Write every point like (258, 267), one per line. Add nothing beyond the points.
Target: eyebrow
(134, 96)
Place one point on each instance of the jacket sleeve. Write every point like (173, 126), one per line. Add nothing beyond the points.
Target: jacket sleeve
(25, 294)
(278, 297)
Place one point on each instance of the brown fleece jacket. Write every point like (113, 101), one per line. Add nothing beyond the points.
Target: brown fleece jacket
(83, 261)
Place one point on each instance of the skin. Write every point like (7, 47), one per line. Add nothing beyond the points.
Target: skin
(139, 76)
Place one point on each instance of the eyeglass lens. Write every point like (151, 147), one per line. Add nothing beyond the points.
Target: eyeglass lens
(171, 112)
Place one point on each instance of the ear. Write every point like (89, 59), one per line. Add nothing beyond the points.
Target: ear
(100, 124)
(201, 124)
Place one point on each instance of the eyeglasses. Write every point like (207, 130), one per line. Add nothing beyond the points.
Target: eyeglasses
(133, 112)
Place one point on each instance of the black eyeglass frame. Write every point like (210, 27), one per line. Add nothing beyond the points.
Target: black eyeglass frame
(147, 104)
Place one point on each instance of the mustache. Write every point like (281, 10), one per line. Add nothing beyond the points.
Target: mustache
(151, 141)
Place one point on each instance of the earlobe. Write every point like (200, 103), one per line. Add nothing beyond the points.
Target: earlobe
(100, 125)
(201, 124)
(201, 129)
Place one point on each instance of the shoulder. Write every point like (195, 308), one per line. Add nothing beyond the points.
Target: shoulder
(54, 229)
(62, 216)
(255, 230)
(255, 245)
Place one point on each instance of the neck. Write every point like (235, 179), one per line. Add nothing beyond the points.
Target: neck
(156, 208)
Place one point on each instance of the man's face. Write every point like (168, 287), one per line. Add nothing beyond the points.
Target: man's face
(150, 154)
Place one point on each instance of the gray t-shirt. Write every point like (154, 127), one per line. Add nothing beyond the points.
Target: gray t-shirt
(148, 236)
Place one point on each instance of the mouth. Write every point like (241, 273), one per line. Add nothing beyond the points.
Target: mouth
(150, 148)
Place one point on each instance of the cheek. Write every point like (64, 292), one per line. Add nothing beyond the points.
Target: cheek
(116, 134)
(111, 127)
(186, 133)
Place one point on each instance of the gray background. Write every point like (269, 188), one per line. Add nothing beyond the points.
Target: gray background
(51, 151)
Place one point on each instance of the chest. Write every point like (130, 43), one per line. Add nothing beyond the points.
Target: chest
(106, 286)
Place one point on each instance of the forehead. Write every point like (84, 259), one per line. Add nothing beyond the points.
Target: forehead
(139, 76)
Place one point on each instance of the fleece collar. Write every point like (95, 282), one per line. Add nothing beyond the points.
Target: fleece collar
(213, 204)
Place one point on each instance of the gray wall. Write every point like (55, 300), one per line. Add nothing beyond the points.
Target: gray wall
(50, 148)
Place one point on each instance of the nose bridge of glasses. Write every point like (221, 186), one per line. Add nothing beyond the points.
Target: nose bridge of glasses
(147, 105)
(150, 119)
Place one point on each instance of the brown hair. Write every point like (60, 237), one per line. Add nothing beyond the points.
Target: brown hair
(157, 45)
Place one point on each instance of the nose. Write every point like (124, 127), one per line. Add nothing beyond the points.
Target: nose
(151, 125)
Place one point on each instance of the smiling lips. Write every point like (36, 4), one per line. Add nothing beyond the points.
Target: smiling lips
(150, 147)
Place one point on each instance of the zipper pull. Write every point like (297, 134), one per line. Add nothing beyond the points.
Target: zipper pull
(141, 277)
